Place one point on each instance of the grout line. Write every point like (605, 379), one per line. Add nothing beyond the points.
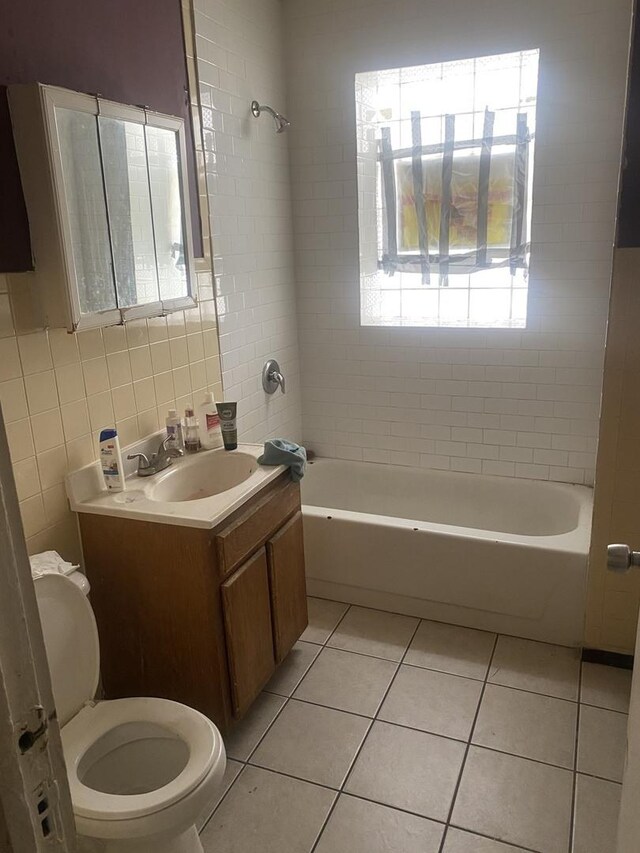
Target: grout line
(364, 739)
(472, 833)
(467, 748)
(575, 768)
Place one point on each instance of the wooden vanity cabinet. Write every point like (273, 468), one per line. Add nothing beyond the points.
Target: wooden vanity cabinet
(199, 616)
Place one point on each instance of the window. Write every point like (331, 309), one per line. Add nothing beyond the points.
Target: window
(445, 172)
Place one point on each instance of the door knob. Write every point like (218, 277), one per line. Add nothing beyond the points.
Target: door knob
(620, 558)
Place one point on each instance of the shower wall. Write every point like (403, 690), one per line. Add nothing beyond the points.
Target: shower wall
(240, 56)
(521, 403)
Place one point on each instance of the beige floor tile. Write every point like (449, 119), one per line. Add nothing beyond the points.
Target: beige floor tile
(514, 800)
(372, 632)
(432, 701)
(231, 772)
(602, 742)
(358, 826)
(292, 669)
(527, 724)
(538, 667)
(267, 813)
(347, 681)
(407, 769)
(449, 648)
(312, 742)
(606, 686)
(323, 617)
(596, 815)
(244, 737)
(459, 841)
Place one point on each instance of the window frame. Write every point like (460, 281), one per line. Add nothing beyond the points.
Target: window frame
(371, 121)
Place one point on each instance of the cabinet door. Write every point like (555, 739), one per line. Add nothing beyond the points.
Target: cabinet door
(247, 618)
(288, 586)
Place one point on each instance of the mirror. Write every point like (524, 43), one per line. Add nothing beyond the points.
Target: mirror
(168, 220)
(126, 182)
(86, 210)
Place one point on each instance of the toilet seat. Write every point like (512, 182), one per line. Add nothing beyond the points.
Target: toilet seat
(201, 737)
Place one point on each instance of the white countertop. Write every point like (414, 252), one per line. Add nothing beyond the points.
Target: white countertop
(88, 493)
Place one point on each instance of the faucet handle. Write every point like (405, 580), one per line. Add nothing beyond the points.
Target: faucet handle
(167, 449)
(272, 376)
(143, 460)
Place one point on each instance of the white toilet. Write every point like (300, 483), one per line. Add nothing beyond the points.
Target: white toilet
(141, 771)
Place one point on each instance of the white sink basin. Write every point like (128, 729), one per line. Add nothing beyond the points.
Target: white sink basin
(202, 476)
(198, 490)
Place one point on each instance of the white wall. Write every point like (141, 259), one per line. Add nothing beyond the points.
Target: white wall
(510, 402)
(240, 55)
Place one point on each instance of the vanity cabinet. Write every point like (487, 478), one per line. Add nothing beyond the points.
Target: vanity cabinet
(248, 630)
(199, 616)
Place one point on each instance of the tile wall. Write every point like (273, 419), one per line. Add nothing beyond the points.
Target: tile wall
(58, 391)
(521, 403)
(240, 56)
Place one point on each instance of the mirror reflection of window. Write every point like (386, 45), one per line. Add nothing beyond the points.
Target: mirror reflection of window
(129, 205)
(80, 153)
(164, 179)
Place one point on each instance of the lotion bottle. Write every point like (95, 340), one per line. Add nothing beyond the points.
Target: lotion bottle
(209, 422)
(111, 460)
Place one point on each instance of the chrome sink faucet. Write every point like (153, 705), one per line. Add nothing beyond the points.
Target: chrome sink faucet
(158, 462)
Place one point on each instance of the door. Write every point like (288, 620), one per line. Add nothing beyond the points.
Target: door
(288, 588)
(247, 623)
(35, 806)
(629, 821)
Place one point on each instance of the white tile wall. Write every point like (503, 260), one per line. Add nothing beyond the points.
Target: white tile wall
(509, 402)
(240, 56)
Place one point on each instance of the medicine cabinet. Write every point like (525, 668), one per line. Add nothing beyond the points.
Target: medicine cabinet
(107, 198)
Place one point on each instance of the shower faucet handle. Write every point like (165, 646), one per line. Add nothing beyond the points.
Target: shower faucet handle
(272, 377)
(620, 558)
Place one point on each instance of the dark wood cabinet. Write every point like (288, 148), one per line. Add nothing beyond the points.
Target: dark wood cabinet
(248, 632)
(199, 616)
(285, 553)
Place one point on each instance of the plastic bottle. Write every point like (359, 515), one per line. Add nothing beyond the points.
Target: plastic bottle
(191, 436)
(174, 430)
(111, 460)
(209, 423)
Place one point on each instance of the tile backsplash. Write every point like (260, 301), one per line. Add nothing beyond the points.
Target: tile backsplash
(58, 390)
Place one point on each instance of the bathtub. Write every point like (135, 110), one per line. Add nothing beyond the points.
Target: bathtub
(496, 553)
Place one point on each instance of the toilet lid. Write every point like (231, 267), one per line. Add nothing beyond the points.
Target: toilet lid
(71, 641)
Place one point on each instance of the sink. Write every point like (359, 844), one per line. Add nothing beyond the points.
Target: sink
(203, 475)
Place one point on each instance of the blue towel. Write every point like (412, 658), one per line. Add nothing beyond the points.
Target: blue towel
(279, 451)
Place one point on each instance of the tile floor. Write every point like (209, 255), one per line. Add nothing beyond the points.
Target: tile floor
(388, 734)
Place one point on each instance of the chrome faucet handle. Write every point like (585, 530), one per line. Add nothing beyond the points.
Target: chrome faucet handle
(165, 450)
(143, 461)
(279, 378)
(272, 377)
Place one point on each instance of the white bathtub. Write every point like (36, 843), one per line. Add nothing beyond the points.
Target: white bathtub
(487, 552)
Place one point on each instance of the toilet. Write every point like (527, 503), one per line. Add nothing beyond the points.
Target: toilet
(141, 771)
